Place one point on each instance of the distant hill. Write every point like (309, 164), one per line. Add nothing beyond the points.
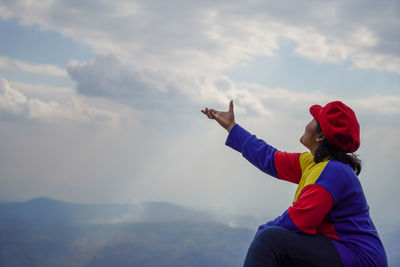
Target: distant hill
(50, 211)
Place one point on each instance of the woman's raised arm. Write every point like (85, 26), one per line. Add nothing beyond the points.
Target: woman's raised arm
(285, 166)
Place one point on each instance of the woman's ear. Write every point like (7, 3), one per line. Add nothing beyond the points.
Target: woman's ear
(320, 137)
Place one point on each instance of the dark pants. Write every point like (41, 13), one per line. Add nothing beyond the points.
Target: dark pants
(277, 246)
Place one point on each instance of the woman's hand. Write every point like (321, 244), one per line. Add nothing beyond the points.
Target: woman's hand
(225, 118)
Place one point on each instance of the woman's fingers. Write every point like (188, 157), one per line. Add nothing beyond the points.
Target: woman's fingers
(207, 112)
(212, 113)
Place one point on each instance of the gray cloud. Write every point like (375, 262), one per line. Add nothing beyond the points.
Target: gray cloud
(106, 76)
(167, 92)
(143, 89)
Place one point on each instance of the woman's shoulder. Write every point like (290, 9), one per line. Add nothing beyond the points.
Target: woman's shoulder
(338, 177)
(341, 169)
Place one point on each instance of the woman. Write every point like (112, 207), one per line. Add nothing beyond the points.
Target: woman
(328, 223)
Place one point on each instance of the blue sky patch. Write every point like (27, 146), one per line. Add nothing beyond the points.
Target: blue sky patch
(35, 46)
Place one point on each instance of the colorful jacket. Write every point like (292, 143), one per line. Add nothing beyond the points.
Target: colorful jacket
(329, 199)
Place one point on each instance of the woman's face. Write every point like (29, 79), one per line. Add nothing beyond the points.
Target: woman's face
(311, 138)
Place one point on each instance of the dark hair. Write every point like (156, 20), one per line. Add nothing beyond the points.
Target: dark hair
(326, 150)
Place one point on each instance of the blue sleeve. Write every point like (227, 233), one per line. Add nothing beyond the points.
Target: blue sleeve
(255, 150)
(283, 221)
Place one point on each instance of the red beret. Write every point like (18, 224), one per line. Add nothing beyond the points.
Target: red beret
(339, 125)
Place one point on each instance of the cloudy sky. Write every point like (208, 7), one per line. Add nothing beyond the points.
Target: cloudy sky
(100, 100)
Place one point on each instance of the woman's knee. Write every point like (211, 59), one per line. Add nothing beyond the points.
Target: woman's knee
(273, 232)
(270, 236)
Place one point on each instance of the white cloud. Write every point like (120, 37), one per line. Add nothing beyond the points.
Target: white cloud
(381, 104)
(46, 69)
(43, 91)
(377, 62)
(317, 46)
(74, 110)
(11, 100)
(15, 103)
(217, 35)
